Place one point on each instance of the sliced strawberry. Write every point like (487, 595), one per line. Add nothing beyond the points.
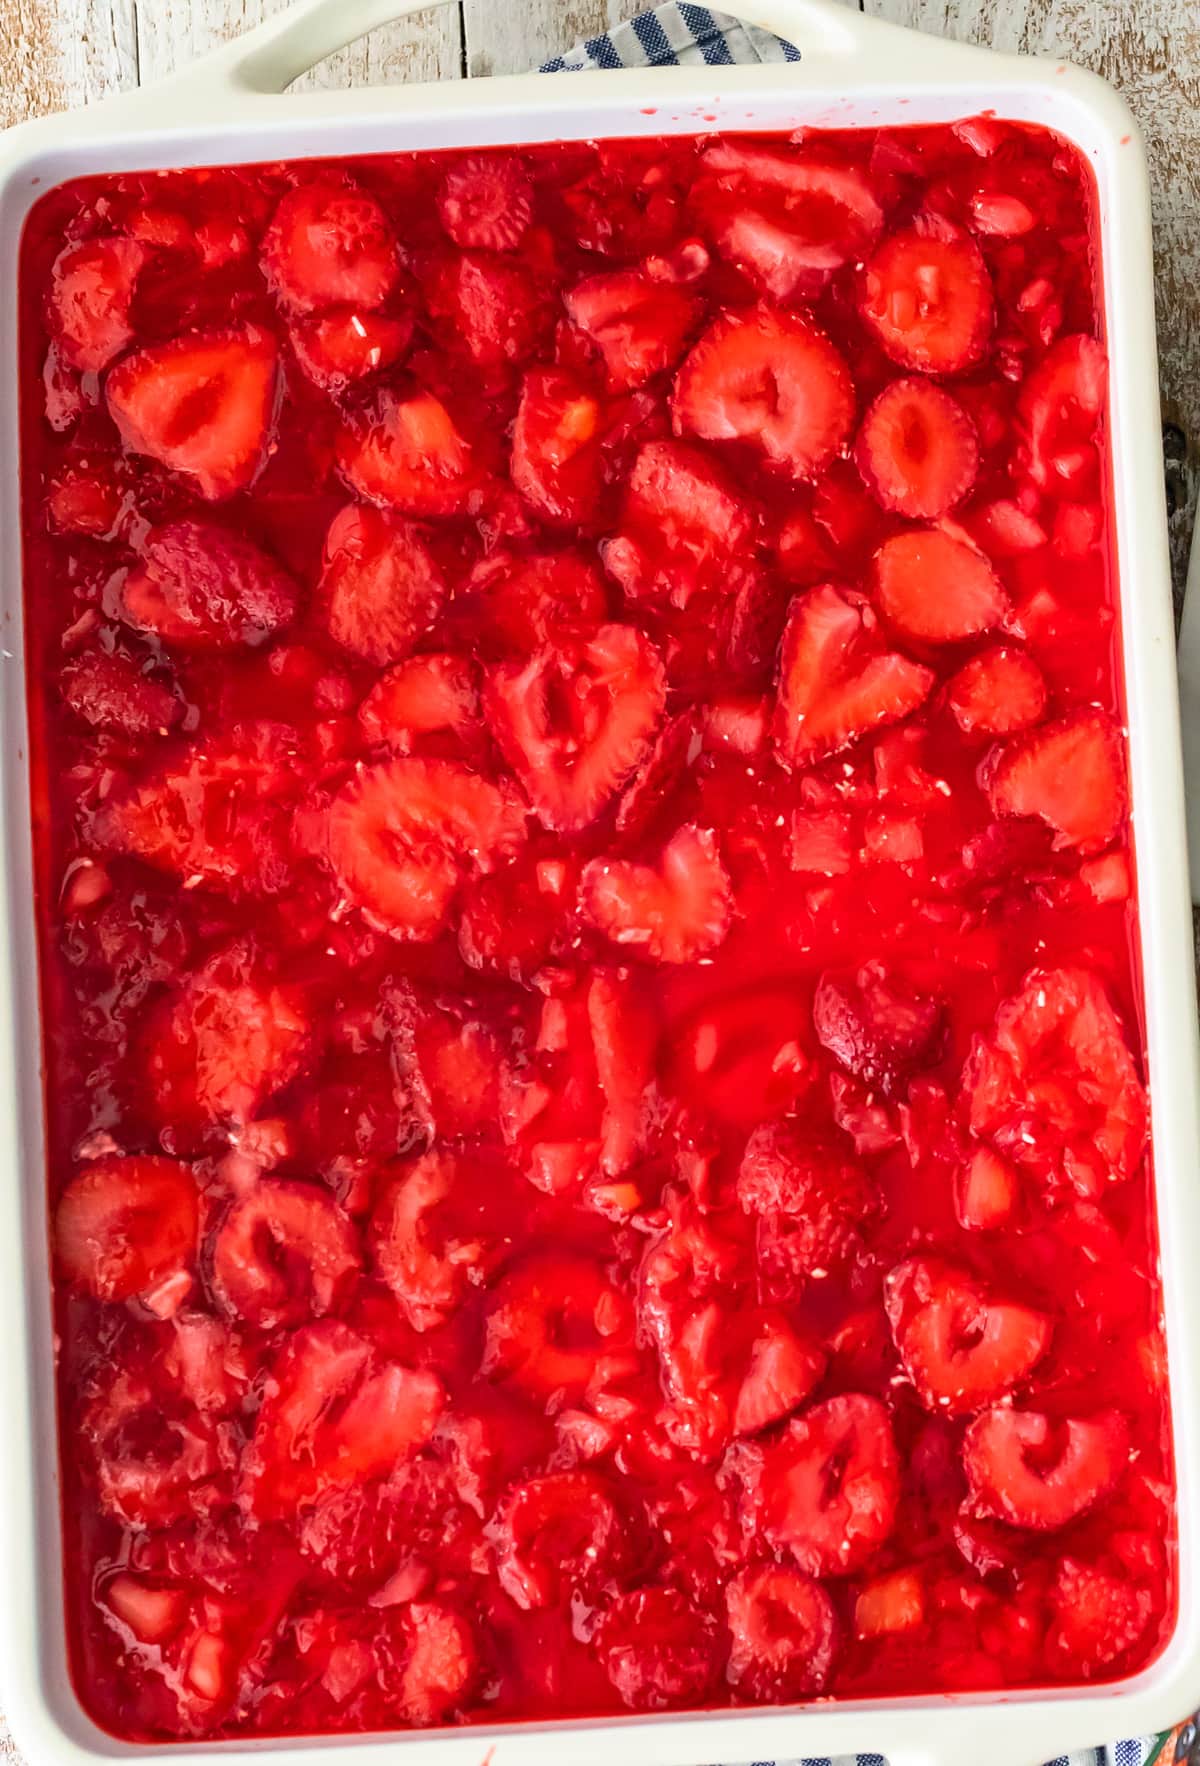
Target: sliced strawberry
(640, 326)
(684, 530)
(1071, 774)
(889, 1605)
(785, 1634)
(770, 379)
(534, 598)
(487, 307)
(740, 1056)
(202, 404)
(625, 1045)
(782, 1372)
(675, 911)
(110, 691)
(453, 1057)
(999, 691)
(658, 1650)
(91, 291)
(420, 697)
(440, 1662)
(486, 201)
(340, 348)
(928, 299)
(332, 1414)
(837, 679)
(1033, 1471)
(879, 1029)
(154, 1465)
(556, 463)
(1004, 530)
(552, 1322)
(1098, 1618)
(1061, 405)
(986, 1192)
(961, 1349)
(1055, 1085)
(560, 1538)
(329, 244)
(207, 588)
(282, 1254)
(809, 1200)
(427, 1270)
(576, 719)
(936, 588)
(122, 1224)
(380, 588)
(408, 454)
(827, 1489)
(917, 450)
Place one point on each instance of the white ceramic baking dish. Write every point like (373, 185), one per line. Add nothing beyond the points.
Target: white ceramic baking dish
(854, 71)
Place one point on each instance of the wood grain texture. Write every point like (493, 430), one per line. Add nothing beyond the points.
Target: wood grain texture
(510, 36)
(56, 54)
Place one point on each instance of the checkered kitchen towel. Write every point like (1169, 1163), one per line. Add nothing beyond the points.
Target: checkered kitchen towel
(679, 34)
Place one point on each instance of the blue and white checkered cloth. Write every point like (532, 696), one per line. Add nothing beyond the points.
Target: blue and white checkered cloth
(683, 35)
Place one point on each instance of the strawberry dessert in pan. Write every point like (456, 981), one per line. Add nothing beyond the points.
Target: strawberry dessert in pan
(598, 1143)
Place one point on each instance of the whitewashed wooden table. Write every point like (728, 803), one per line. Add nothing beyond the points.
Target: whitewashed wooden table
(56, 54)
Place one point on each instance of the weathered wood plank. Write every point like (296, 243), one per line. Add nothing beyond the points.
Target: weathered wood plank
(511, 36)
(56, 54)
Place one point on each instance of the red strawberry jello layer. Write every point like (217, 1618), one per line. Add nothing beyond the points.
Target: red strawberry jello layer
(596, 1099)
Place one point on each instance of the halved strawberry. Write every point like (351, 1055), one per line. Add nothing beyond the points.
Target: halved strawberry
(781, 1373)
(206, 587)
(999, 691)
(936, 588)
(402, 833)
(340, 348)
(928, 299)
(123, 1223)
(785, 1634)
(91, 291)
(740, 1056)
(1039, 1472)
(427, 1270)
(1061, 405)
(528, 599)
(576, 719)
(640, 326)
(109, 691)
(485, 306)
(486, 201)
(961, 1349)
(1098, 1617)
(879, 1029)
(889, 1605)
(770, 379)
(827, 1489)
(684, 530)
(809, 1199)
(332, 1414)
(1055, 1085)
(1071, 774)
(625, 1045)
(560, 1538)
(675, 911)
(917, 450)
(420, 697)
(408, 454)
(556, 460)
(282, 1254)
(552, 1321)
(380, 587)
(329, 244)
(440, 1662)
(202, 404)
(986, 1193)
(837, 678)
(658, 1649)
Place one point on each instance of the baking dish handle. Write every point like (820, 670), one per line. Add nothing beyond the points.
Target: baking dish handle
(1188, 659)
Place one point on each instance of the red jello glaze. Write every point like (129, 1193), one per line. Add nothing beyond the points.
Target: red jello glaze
(595, 1083)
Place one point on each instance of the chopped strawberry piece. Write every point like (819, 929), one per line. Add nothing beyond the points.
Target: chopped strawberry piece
(625, 1045)
(535, 598)
(658, 1649)
(453, 1060)
(122, 1224)
(1033, 1471)
(513, 921)
(339, 349)
(1108, 877)
(821, 841)
(1098, 1618)
(329, 244)
(428, 1270)
(1004, 530)
(837, 679)
(552, 1322)
(202, 404)
(486, 202)
(85, 501)
(641, 327)
(917, 450)
(827, 1489)
(878, 1029)
(441, 1663)
(772, 380)
(782, 1371)
(282, 1254)
(999, 691)
(420, 697)
(684, 530)
(91, 291)
(654, 782)
(556, 462)
(674, 911)
(560, 1537)
(408, 454)
(576, 719)
(961, 1349)
(486, 306)
(987, 1191)
(1071, 774)
(810, 1201)
(785, 1634)
(740, 1056)
(110, 692)
(738, 724)
(380, 588)
(207, 588)
(152, 1613)
(889, 1605)
(1061, 405)
(929, 300)
(936, 588)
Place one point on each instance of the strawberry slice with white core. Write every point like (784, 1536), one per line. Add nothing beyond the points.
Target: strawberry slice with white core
(838, 680)
(552, 1320)
(684, 530)
(1061, 405)
(380, 587)
(408, 454)
(576, 720)
(625, 1044)
(928, 299)
(401, 835)
(559, 1537)
(205, 587)
(639, 326)
(879, 1029)
(676, 911)
(827, 1489)
(123, 1223)
(784, 1633)
(420, 697)
(486, 202)
(338, 349)
(202, 404)
(771, 380)
(1072, 775)
(329, 244)
(1000, 691)
(427, 1270)
(960, 1348)
(556, 461)
(91, 291)
(917, 450)
(935, 588)
(1040, 1472)
(1098, 1617)
(282, 1254)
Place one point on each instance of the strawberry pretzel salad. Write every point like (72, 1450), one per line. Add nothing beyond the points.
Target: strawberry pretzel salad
(596, 1126)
